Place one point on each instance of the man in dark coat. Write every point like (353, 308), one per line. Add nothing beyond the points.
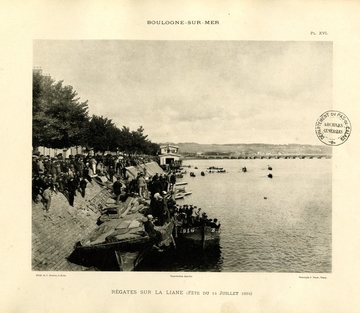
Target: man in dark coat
(86, 173)
(123, 171)
(71, 188)
(156, 186)
(83, 184)
(172, 180)
(35, 167)
(117, 189)
(38, 186)
(79, 165)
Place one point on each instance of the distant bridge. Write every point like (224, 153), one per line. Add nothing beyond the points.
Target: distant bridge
(272, 156)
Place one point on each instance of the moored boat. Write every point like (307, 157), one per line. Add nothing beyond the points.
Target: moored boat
(180, 188)
(178, 196)
(180, 183)
(204, 235)
(219, 170)
(123, 235)
(194, 227)
(214, 168)
(180, 193)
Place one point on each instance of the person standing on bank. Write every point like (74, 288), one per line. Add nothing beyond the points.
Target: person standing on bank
(71, 187)
(111, 173)
(93, 163)
(123, 171)
(83, 184)
(172, 180)
(141, 184)
(117, 189)
(47, 198)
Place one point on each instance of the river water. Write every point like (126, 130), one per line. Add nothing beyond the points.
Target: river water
(281, 224)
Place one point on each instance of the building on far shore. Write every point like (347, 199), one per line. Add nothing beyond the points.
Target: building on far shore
(169, 155)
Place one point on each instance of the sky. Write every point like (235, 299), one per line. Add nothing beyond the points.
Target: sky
(207, 92)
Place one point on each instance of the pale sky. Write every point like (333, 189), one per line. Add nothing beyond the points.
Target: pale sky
(199, 91)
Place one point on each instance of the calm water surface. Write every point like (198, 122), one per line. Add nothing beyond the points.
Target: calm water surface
(281, 224)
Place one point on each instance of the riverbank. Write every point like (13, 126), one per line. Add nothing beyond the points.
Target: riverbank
(55, 233)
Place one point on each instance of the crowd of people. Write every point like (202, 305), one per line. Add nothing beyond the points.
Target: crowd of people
(72, 174)
(159, 189)
(146, 186)
(191, 216)
(163, 208)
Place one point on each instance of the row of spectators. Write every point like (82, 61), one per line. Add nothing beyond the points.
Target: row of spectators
(146, 186)
(68, 175)
(189, 216)
(98, 164)
(163, 208)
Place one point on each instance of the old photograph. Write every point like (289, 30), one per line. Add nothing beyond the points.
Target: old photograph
(180, 156)
(183, 156)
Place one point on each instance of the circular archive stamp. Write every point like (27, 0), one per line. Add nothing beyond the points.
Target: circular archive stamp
(333, 128)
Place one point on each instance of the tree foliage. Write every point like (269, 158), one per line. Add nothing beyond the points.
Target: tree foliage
(136, 142)
(58, 116)
(60, 120)
(101, 134)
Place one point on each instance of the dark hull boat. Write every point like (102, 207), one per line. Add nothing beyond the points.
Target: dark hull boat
(124, 237)
(129, 247)
(214, 169)
(202, 235)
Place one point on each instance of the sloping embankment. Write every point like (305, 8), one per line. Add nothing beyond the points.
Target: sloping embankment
(54, 234)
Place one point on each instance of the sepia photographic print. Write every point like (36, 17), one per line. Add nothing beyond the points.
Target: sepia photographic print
(185, 156)
(182, 156)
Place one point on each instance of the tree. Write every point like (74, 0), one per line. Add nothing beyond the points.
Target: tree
(151, 148)
(60, 120)
(138, 140)
(124, 141)
(135, 142)
(58, 116)
(102, 134)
